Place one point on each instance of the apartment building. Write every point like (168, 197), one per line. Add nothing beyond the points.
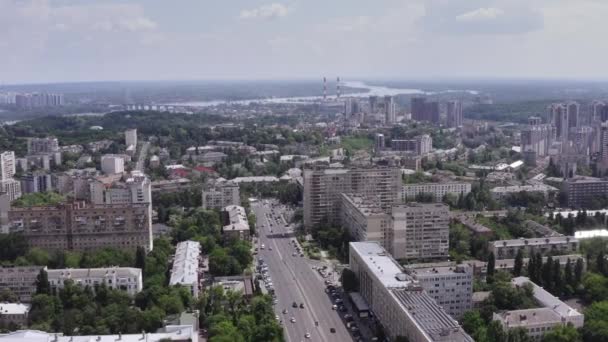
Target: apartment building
(112, 164)
(582, 191)
(367, 221)
(397, 300)
(131, 137)
(42, 145)
(507, 249)
(502, 192)
(14, 313)
(438, 190)
(81, 226)
(126, 279)
(221, 195)
(420, 145)
(237, 225)
(20, 280)
(178, 333)
(322, 189)
(450, 286)
(454, 114)
(539, 321)
(426, 226)
(185, 270)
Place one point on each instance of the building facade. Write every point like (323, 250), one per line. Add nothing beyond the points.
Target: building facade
(112, 164)
(237, 225)
(21, 280)
(507, 249)
(438, 190)
(582, 191)
(221, 195)
(426, 226)
(126, 279)
(185, 270)
(454, 114)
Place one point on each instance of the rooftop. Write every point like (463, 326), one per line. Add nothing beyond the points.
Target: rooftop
(14, 309)
(237, 218)
(546, 299)
(367, 206)
(518, 188)
(528, 317)
(173, 332)
(185, 263)
(81, 273)
(535, 241)
(381, 264)
(421, 270)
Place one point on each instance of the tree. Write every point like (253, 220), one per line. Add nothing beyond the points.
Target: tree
(562, 333)
(578, 271)
(600, 264)
(596, 287)
(558, 279)
(42, 283)
(596, 322)
(569, 278)
(518, 264)
(496, 332)
(491, 266)
(547, 274)
(140, 258)
(472, 322)
(349, 281)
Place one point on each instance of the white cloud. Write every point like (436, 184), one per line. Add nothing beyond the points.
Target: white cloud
(481, 14)
(271, 11)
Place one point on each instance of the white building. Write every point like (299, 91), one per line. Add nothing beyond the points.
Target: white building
(135, 189)
(502, 191)
(7, 165)
(15, 313)
(220, 195)
(180, 333)
(12, 188)
(237, 225)
(112, 164)
(127, 279)
(507, 249)
(450, 286)
(131, 137)
(438, 190)
(398, 301)
(427, 231)
(185, 268)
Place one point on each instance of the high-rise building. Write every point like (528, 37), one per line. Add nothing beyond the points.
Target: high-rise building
(131, 137)
(42, 145)
(7, 165)
(379, 142)
(454, 114)
(12, 188)
(112, 164)
(36, 100)
(220, 195)
(427, 231)
(384, 106)
(37, 181)
(536, 137)
(573, 115)
(558, 113)
(420, 145)
(599, 111)
(425, 111)
(323, 189)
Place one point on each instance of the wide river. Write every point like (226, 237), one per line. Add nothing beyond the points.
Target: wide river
(369, 90)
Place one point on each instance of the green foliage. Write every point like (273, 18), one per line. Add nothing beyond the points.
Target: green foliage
(349, 281)
(563, 333)
(356, 143)
(12, 246)
(334, 239)
(596, 322)
(38, 199)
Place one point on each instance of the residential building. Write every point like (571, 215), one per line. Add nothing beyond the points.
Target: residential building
(131, 137)
(255, 179)
(450, 286)
(537, 138)
(507, 249)
(177, 333)
(539, 321)
(14, 313)
(438, 190)
(322, 189)
(425, 111)
(135, 189)
(237, 225)
(379, 142)
(185, 270)
(454, 114)
(508, 265)
(37, 100)
(12, 188)
(239, 283)
(558, 113)
(126, 279)
(112, 164)
(420, 145)
(80, 226)
(427, 231)
(20, 280)
(37, 181)
(503, 192)
(582, 191)
(398, 301)
(7, 165)
(42, 145)
(220, 195)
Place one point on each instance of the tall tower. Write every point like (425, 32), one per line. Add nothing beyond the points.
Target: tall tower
(338, 90)
(324, 88)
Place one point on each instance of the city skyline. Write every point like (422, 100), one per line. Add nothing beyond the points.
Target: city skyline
(70, 41)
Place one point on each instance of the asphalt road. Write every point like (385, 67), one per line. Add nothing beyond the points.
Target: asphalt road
(295, 281)
(143, 152)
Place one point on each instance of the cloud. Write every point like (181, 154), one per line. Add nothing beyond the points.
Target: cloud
(271, 11)
(481, 14)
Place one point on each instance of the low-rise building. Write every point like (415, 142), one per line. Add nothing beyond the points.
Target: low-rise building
(20, 280)
(185, 270)
(126, 279)
(14, 313)
(438, 190)
(583, 191)
(502, 192)
(507, 249)
(237, 225)
(176, 333)
(221, 195)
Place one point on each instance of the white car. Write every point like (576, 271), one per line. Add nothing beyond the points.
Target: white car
(307, 335)
(292, 320)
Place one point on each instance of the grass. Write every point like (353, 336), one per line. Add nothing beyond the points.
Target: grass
(39, 199)
(357, 143)
(501, 231)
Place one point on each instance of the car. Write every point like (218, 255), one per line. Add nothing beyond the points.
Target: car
(302, 254)
(295, 305)
(338, 301)
(342, 308)
(307, 335)
(263, 246)
(284, 311)
(334, 307)
(292, 320)
(276, 317)
(301, 305)
(332, 330)
(294, 254)
(269, 248)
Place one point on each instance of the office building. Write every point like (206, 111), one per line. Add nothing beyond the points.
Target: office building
(582, 191)
(177, 333)
(42, 145)
(379, 142)
(322, 189)
(367, 221)
(126, 279)
(14, 313)
(112, 164)
(80, 226)
(398, 301)
(427, 230)
(220, 195)
(539, 321)
(450, 286)
(438, 190)
(131, 137)
(20, 280)
(507, 249)
(573, 115)
(454, 114)
(185, 270)
(237, 225)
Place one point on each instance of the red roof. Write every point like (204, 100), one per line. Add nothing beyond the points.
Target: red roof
(201, 168)
(180, 173)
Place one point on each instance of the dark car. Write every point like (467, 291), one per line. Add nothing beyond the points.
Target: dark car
(332, 330)
(295, 305)
(301, 305)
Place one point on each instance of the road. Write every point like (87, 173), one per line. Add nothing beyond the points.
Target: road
(141, 160)
(295, 281)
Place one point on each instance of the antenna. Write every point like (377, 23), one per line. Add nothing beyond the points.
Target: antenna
(324, 88)
(338, 90)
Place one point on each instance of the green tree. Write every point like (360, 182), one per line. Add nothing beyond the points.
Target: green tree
(518, 264)
(569, 284)
(578, 271)
(490, 267)
(562, 333)
(596, 287)
(349, 281)
(596, 322)
(42, 283)
(547, 274)
(472, 322)
(140, 258)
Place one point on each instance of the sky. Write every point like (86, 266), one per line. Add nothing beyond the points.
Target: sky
(98, 40)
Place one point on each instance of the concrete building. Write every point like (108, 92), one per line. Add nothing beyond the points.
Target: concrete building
(367, 221)
(539, 321)
(185, 270)
(20, 280)
(438, 190)
(80, 226)
(7, 165)
(425, 111)
(507, 249)
(14, 313)
(427, 231)
(112, 164)
(135, 189)
(379, 142)
(42, 145)
(322, 189)
(582, 191)
(131, 137)
(537, 138)
(454, 114)
(12, 188)
(37, 181)
(126, 279)
(175, 333)
(450, 286)
(502, 192)
(420, 145)
(397, 300)
(237, 225)
(220, 195)
(558, 113)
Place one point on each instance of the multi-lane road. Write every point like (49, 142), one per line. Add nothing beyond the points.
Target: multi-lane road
(295, 280)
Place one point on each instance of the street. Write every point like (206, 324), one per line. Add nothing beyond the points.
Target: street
(294, 280)
(141, 160)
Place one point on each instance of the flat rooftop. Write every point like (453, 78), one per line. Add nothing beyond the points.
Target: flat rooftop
(535, 241)
(422, 270)
(186, 263)
(381, 264)
(529, 317)
(546, 299)
(367, 206)
(77, 273)
(14, 309)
